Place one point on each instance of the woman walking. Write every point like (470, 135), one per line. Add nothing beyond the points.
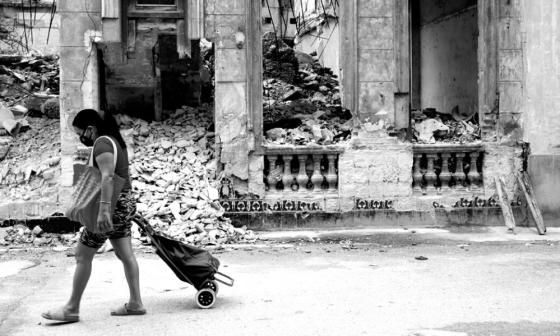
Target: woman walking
(103, 134)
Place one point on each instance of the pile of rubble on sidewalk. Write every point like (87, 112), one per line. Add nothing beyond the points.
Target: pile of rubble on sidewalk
(431, 126)
(301, 99)
(175, 176)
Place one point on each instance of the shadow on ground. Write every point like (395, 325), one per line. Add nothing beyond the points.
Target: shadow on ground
(522, 328)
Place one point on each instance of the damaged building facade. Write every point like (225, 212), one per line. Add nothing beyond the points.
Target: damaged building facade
(408, 70)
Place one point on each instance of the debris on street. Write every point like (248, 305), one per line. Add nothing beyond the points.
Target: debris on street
(20, 234)
(301, 98)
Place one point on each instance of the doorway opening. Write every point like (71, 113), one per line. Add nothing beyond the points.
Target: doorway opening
(444, 70)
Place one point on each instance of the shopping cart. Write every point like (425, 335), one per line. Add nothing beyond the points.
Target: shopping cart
(191, 264)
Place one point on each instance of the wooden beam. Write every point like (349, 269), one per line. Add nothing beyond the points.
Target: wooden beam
(131, 38)
(505, 203)
(124, 29)
(158, 95)
(527, 188)
(183, 43)
(156, 14)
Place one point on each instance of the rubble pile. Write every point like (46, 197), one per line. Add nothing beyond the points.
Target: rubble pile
(431, 126)
(27, 82)
(30, 161)
(22, 235)
(175, 177)
(279, 60)
(302, 99)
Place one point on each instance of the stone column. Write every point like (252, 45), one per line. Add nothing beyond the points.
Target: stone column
(224, 21)
(80, 26)
(376, 61)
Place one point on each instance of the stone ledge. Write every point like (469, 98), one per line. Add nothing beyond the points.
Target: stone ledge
(447, 147)
(377, 218)
(289, 149)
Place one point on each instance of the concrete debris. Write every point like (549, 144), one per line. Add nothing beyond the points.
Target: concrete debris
(27, 82)
(300, 97)
(175, 178)
(51, 108)
(22, 235)
(431, 126)
(8, 121)
(30, 162)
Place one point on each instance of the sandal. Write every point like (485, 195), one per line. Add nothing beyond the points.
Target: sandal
(124, 311)
(61, 315)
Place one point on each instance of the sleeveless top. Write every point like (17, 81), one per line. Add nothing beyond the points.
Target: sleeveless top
(103, 145)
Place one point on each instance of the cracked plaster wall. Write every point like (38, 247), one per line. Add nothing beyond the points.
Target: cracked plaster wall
(539, 22)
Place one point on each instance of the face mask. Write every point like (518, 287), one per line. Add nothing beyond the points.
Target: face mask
(87, 141)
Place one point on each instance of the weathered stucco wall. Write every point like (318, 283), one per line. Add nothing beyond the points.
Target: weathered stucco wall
(542, 88)
(542, 101)
(448, 61)
(371, 169)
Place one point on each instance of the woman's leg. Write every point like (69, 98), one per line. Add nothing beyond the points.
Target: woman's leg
(84, 257)
(123, 251)
(71, 310)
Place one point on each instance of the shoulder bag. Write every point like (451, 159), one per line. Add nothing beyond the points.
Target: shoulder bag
(84, 207)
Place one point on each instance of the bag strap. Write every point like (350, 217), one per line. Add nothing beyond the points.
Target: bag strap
(114, 151)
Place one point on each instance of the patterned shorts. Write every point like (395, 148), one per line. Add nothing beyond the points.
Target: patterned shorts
(125, 209)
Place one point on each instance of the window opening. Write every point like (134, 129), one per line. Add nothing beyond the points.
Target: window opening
(301, 71)
(444, 71)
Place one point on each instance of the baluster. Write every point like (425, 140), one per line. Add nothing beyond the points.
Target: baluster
(302, 177)
(431, 177)
(287, 178)
(459, 174)
(332, 176)
(272, 178)
(317, 177)
(417, 174)
(474, 175)
(445, 175)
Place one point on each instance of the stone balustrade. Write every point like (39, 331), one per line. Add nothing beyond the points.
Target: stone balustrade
(439, 169)
(301, 171)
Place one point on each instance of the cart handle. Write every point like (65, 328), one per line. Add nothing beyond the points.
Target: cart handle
(228, 280)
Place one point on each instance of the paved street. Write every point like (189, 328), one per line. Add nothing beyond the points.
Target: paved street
(370, 282)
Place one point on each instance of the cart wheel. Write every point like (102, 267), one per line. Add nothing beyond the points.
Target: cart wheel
(213, 285)
(205, 298)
